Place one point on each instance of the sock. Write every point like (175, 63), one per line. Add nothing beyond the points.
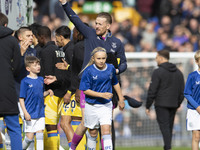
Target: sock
(107, 142)
(1, 146)
(26, 143)
(31, 146)
(102, 147)
(39, 141)
(52, 140)
(75, 141)
(91, 141)
(69, 143)
(7, 140)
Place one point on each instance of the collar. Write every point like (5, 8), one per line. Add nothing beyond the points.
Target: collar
(109, 34)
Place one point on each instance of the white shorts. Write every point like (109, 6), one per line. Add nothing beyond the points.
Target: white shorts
(97, 114)
(34, 125)
(192, 120)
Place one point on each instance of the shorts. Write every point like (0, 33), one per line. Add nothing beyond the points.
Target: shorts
(192, 120)
(97, 114)
(72, 109)
(53, 107)
(34, 125)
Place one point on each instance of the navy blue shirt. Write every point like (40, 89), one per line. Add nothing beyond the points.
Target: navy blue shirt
(110, 43)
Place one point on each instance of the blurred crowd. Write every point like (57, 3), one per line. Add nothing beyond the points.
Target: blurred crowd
(172, 24)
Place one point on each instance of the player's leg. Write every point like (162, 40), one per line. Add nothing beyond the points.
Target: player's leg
(92, 135)
(106, 135)
(39, 140)
(105, 117)
(195, 139)
(52, 115)
(14, 130)
(27, 140)
(65, 124)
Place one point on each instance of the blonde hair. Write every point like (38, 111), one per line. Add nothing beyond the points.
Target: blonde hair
(97, 49)
(197, 55)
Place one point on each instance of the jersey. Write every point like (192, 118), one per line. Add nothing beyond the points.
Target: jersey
(192, 90)
(31, 89)
(98, 81)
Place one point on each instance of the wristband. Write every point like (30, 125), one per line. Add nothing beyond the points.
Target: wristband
(67, 67)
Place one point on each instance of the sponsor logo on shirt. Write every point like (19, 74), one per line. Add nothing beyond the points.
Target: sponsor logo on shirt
(30, 85)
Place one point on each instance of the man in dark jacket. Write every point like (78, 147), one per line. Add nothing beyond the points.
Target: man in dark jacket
(166, 89)
(9, 66)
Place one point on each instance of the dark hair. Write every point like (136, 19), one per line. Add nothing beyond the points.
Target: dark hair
(105, 15)
(44, 31)
(3, 19)
(30, 60)
(164, 53)
(64, 31)
(34, 28)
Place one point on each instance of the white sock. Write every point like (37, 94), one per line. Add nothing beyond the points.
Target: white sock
(91, 142)
(107, 142)
(39, 141)
(26, 143)
(31, 146)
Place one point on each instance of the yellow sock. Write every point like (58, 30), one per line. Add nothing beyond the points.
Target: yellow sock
(51, 143)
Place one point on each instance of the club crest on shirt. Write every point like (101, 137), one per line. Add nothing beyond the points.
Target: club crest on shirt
(114, 45)
(111, 76)
(94, 77)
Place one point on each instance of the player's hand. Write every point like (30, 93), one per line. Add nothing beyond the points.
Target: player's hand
(62, 65)
(147, 112)
(24, 46)
(51, 93)
(121, 105)
(77, 95)
(67, 98)
(27, 116)
(107, 95)
(198, 109)
(63, 1)
(49, 79)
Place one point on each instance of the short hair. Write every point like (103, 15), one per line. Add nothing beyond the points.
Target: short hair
(64, 31)
(164, 53)
(30, 60)
(197, 55)
(44, 31)
(21, 30)
(34, 28)
(105, 15)
(3, 19)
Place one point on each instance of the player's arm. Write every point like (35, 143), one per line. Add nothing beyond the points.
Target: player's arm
(26, 114)
(153, 88)
(73, 17)
(121, 98)
(48, 92)
(92, 93)
(121, 59)
(16, 58)
(188, 93)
